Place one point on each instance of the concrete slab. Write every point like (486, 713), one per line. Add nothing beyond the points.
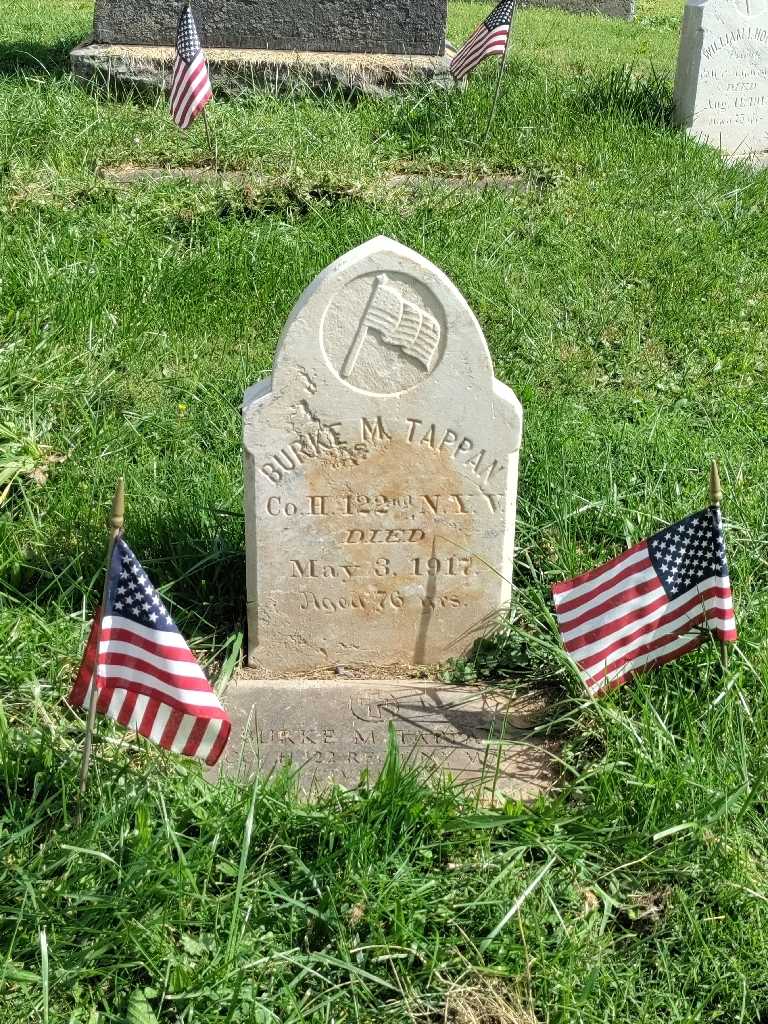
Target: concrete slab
(238, 72)
(331, 730)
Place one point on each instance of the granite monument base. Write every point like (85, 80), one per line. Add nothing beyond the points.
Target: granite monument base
(333, 730)
(236, 72)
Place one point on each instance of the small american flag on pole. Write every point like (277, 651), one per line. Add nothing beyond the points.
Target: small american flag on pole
(147, 678)
(489, 38)
(190, 85)
(649, 605)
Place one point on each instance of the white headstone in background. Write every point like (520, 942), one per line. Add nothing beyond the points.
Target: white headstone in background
(381, 473)
(721, 87)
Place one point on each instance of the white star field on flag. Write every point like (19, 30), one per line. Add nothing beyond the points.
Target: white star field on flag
(136, 598)
(686, 553)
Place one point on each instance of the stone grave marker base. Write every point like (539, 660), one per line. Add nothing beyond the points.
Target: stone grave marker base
(236, 72)
(331, 730)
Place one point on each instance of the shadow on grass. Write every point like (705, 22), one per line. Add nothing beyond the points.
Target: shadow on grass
(202, 561)
(623, 93)
(289, 203)
(25, 56)
(197, 562)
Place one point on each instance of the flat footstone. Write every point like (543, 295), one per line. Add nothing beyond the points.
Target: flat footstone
(131, 174)
(331, 731)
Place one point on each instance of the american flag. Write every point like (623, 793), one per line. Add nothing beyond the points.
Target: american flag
(648, 605)
(190, 85)
(489, 38)
(147, 677)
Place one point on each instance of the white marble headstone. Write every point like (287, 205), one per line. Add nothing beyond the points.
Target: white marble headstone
(721, 87)
(381, 473)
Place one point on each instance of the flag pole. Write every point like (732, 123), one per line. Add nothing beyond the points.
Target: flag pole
(115, 528)
(350, 360)
(498, 82)
(715, 497)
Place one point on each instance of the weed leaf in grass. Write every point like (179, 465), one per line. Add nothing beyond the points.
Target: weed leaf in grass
(139, 1010)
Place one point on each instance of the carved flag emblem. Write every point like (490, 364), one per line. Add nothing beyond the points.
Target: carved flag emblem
(398, 322)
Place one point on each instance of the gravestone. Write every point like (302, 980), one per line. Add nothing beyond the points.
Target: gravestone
(372, 46)
(608, 8)
(331, 731)
(380, 473)
(721, 86)
(349, 26)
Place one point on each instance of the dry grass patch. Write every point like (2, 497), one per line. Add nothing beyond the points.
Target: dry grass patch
(483, 1001)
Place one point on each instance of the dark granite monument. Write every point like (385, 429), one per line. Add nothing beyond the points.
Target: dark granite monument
(331, 26)
(624, 9)
(372, 46)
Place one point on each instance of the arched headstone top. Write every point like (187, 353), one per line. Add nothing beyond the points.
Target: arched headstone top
(382, 321)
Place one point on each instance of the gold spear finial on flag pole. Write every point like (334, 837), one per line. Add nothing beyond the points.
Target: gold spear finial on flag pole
(715, 497)
(116, 520)
(715, 490)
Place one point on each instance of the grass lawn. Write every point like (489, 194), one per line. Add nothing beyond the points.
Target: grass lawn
(623, 295)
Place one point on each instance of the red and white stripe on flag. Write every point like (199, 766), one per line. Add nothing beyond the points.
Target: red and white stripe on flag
(191, 84)
(649, 605)
(480, 45)
(148, 680)
(489, 39)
